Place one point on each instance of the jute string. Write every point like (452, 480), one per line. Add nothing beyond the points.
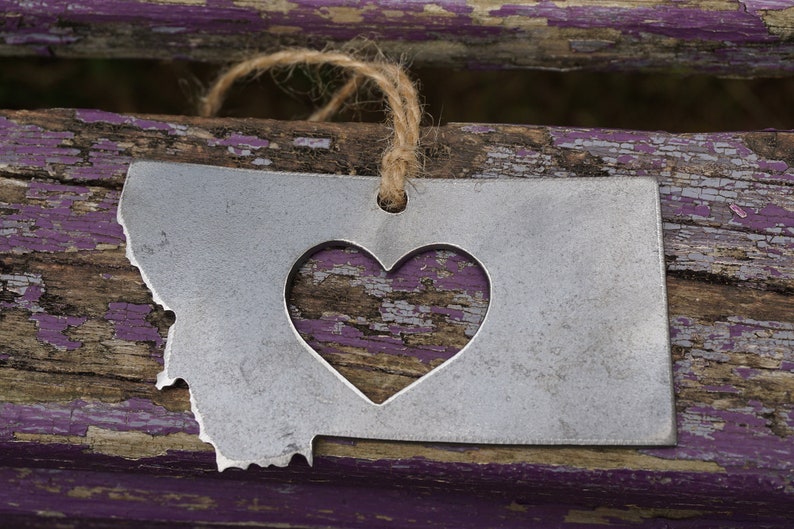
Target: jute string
(400, 159)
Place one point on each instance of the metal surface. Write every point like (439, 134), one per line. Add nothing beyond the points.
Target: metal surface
(574, 348)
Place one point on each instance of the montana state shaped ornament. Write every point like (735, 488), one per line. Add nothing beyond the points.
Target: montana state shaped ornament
(573, 350)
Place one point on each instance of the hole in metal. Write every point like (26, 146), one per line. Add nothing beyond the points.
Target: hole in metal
(392, 209)
(384, 330)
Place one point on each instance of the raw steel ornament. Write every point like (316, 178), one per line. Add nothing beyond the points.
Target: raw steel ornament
(573, 349)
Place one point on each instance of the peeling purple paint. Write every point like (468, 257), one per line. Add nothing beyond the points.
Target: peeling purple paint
(777, 166)
(74, 418)
(240, 141)
(573, 137)
(523, 153)
(52, 225)
(106, 160)
(435, 264)
(720, 389)
(32, 146)
(746, 372)
(768, 217)
(416, 493)
(52, 328)
(443, 269)
(644, 148)
(315, 17)
(324, 333)
(741, 41)
(729, 438)
(773, 272)
(699, 210)
(101, 116)
(673, 159)
(756, 459)
(26, 290)
(129, 321)
(737, 26)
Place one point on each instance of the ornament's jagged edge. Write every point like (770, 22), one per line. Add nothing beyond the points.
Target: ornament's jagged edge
(164, 379)
(223, 462)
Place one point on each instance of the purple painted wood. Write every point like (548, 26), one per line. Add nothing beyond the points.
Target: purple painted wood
(736, 37)
(85, 438)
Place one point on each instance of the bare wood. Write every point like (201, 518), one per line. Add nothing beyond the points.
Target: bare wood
(716, 36)
(81, 340)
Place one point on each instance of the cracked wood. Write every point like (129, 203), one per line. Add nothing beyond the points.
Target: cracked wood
(728, 37)
(81, 340)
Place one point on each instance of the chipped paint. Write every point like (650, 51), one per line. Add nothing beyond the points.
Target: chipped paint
(88, 402)
(239, 142)
(718, 36)
(48, 149)
(779, 21)
(738, 210)
(74, 419)
(129, 445)
(129, 320)
(52, 330)
(21, 291)
(422, 297)
(312, 143)
(61, 218)
(100, 116)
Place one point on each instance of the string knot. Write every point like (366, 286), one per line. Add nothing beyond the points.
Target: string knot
(400, 159)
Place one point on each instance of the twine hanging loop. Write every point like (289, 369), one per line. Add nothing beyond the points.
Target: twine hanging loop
(400, 159)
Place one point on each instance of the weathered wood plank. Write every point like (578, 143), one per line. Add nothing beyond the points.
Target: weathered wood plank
(85, 435)
(733, 37)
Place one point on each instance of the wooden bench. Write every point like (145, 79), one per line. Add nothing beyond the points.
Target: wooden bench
(733, 37)
(86, 438)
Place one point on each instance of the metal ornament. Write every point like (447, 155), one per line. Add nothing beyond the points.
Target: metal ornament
(573, 350)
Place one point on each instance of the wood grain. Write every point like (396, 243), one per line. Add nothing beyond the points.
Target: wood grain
(728, 37)
(87, 439)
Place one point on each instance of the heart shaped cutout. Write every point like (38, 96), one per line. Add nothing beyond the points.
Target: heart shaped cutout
(382, 330)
